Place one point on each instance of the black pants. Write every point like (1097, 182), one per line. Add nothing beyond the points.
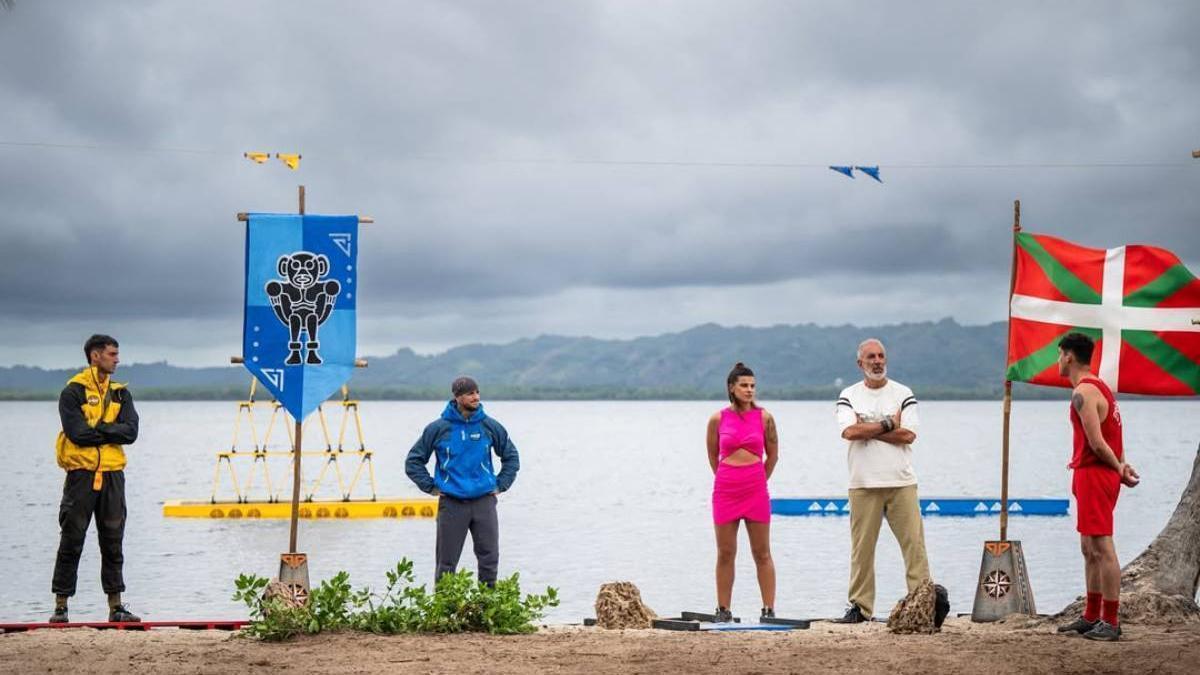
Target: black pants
(79, 503)
(454, 519)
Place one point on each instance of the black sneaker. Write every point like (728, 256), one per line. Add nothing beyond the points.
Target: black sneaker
(853, 615)
(767, 613)
(1104, 631)
(722, 615)
(59, 615)
(121, 614)
(1080, 625)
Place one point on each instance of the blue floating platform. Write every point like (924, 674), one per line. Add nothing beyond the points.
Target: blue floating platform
(930, 506)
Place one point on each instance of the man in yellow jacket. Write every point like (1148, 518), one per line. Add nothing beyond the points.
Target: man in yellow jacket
(98, 417)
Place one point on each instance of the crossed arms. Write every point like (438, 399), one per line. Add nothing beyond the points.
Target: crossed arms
(865, 431)
(121, 431)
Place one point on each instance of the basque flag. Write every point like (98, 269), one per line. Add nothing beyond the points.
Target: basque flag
(298, 334)
(1140, 304)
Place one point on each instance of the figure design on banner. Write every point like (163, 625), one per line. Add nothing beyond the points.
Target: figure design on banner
(302, 301)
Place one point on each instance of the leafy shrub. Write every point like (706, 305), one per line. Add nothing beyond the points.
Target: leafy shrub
(331, 604)
(457, 604)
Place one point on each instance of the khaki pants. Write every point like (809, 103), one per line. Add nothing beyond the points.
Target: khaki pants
(868, 508)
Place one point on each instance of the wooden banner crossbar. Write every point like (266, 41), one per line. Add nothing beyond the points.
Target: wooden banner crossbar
(362, 220)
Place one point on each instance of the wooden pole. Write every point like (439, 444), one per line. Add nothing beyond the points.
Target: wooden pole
(296, 457)
(1012, 283)
(295, 489)
(358, 363)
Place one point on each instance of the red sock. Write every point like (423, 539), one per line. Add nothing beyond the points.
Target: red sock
(1091, 611)
(1109, 612)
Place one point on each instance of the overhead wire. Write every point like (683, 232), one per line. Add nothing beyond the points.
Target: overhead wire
(585, 161)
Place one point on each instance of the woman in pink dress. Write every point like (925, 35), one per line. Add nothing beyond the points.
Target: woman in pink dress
(743, 447)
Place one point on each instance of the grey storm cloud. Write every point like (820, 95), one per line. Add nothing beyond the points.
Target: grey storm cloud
(517, 150)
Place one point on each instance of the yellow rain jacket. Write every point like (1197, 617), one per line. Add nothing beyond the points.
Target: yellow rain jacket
(96, 422)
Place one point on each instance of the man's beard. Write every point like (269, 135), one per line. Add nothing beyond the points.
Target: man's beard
(876, 377)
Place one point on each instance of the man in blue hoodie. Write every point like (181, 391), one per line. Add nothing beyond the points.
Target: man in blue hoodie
(463, 439)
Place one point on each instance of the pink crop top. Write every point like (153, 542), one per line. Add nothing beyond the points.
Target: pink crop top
(743, 430)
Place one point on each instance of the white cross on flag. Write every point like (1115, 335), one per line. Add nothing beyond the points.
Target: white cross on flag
(1139, 303)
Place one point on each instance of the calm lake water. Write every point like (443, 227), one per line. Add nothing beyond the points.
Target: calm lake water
(607, 491)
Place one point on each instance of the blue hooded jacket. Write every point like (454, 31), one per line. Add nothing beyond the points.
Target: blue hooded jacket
(464, 455)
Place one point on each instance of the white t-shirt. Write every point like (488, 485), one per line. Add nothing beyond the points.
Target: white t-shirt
(874, 463)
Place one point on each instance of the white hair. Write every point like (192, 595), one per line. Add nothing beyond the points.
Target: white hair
(863, 345)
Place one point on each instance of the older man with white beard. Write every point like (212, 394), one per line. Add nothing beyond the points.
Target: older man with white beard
(878, 417)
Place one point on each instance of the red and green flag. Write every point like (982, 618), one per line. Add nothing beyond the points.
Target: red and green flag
(1139, 303)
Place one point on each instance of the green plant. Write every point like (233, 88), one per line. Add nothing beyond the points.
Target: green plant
(505, 612)
(331, 604)
(401, 608)
(457, 604)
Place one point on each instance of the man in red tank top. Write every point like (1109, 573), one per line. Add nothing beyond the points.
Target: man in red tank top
(1098, 461)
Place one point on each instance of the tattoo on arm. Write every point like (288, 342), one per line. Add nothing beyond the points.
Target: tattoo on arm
(772, 435)
(1077, 402)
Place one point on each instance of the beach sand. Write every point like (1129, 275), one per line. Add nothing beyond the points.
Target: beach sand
(1005, 647)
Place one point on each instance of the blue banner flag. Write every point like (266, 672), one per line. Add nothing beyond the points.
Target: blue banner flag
(298, 336)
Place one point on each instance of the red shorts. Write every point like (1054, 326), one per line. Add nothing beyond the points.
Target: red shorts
(1096, 489)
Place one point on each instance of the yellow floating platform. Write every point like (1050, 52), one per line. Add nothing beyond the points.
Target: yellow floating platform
(382, 508)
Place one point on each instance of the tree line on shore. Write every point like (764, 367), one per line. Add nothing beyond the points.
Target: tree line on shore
(939, 360)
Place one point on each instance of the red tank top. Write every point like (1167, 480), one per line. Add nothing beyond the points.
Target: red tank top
(1110, 428)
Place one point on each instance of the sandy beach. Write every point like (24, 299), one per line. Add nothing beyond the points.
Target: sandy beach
(1005, 647)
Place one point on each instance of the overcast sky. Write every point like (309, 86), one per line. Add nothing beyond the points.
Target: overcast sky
(581, 168)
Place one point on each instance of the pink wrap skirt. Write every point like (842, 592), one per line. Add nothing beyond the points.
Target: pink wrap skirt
(741, 492)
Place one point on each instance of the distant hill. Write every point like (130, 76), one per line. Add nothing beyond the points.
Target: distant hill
(938, 359)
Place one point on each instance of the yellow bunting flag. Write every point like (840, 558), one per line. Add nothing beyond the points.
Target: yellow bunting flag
(257, 157)
(293, 161)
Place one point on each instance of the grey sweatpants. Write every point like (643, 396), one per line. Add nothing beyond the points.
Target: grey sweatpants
(454, 519)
